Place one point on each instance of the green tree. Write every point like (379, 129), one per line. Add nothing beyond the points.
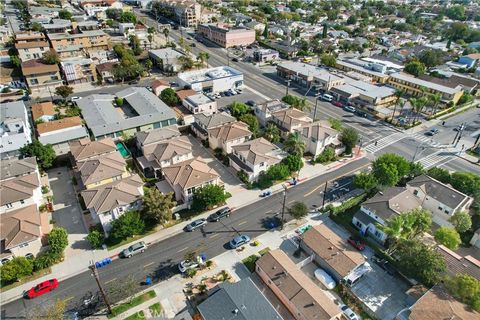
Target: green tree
(65, 14)
(16, 62)
(157, 207)
(44, 153)
(421, 262)
(461, 221)
(415, 68)
(278, 172)
(51, 57)
(328, 155)
(349, 138)
(148, 64)
(298, 210)
(431, 58)
(456, 12)
(335, 124)
(119, 101)
(166, 32)
(294, 144)
(293, 162)
(95, 238)
(58, 240)
(64, 91)
(186, 62)
(400, 163)
(266, 32)
(272, 133)
(352, 20)
(252, 122)
(127, 17)
(440, 174)
(238, 109)
(16, 269)
(465, 288)
(169, 96)
(324, 31)
(466, 182)
(203, 58)
(449, 237)
(113, 13)
(328, 60)
(135, 44)
(457, 31)
(208, 196)
(365, 181)
(127, 225)
(36, 27)
(386, 174)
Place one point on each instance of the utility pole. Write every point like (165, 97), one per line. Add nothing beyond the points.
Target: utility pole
(317, 96)
(283, 206)
(324, 193)
(93, 268)
(228, 58)
(288, 85)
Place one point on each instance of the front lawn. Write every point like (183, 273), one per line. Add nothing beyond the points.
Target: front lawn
(137, 316)
(121, 308)
(155, 309)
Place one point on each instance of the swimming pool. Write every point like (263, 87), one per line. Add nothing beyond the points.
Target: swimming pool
(123, 151)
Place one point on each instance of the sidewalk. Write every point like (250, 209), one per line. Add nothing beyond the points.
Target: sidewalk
(240, 198)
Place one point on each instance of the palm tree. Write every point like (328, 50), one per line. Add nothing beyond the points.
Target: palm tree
(393, 229)
(301, 104)
(272, 133)
(294, 144)
(186, 62)
(150, 39)
(166, 32)
(398, 95)
(203, 58)
(435, 100)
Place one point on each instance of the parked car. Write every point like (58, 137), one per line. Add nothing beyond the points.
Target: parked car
(235, 59)
(349, 109)
(187, 264)
(356, 243)
(361, 114)
(327, 97)
(266, 193)
(222, 213)
(251, 103)
(239, 241)
(337, 104)
(432, 132)
(325, 278)
(459, 127)
(41, 288)
(196, 224)
(75, 98)
(228, 94)
(135, 248)
(349, 313)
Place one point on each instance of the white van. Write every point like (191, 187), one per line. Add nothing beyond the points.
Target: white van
(357, 273)
(325, 278)
(327, 97)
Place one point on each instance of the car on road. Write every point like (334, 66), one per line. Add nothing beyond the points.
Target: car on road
(337, 104)
(356, 243)
(222, 213)
(251, 103)
(195, 224)
(326, 97)
(432, 132)
(228, 94)
(349, 109)
(41, 288)
(193, 44)
(349, 313)
(361, 114)
(135, 248)
(266, 193)
(235, 59)
(186, 265)
(239, 241)
(75, 98)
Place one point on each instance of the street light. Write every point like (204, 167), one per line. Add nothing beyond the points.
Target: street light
(283, 206)
(317, 97)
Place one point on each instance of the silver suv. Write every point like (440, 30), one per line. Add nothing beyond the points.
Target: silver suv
(134, 249)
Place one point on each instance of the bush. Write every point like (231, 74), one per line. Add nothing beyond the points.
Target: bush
(209, 196)
(209, 263)
(128, 225)
(15, 269)
(249, 262)
(45, 260)
(58, 240)
(327, 155)
(346, 205)
(95, 238)
(45, 189)
(190, 273)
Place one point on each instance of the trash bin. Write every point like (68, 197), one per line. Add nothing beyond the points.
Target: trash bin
(148, 281)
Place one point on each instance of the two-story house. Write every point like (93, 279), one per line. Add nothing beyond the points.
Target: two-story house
(319, 135)
(83, 149)
(100, 170)
(183, 178)
(108, 202)
(290, 120)
(228, 136)
(40, 76)
(381, 207)
(60, 132)
(161, 148)
(15, 129)
(264, 110)
(442, 200)
(203, 123)
(255, 156)
(31, 45)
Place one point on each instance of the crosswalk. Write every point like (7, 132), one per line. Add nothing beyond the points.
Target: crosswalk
(385, 142)
(442, 156)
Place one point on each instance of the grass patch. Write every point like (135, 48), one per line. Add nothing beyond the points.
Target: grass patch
(263, 251)
(33, 276)
(249, 262)
(121, 308)
(115, 243)
(155, 309)
(470, 152)
(137, 316)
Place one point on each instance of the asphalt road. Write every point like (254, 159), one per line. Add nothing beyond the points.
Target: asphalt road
(160, 260)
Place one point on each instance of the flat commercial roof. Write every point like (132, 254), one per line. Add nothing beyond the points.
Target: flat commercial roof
(360, 68)
(199, 99)
(423, 83)
(208, 74)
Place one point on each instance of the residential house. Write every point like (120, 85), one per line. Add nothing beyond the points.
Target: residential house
(332, 253)
(458, 263)
(442, 200)
(105, 71)
(318, 135)
(60, 132)
(200, 103)
(471, 60)
(79, 70)
(241, 299)
(84, 149)
(264, 110)
(375, 71)
(100, 170)
(159, 85)
(226, 36)
(228, 136)
(15, 129)
(108, 202)
(381, 207)
(203, 123)
(31, 45)
(162, 148)
(297, 292)
(255, 157)
(19, 184)
(437, 303)
(20, 233)
(41, 76)
(168, 59)
(43, 111)
(290, 120)
(185, 177)
(141, 111)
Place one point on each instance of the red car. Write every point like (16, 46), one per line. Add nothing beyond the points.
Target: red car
(359, 245)
(42, 288)
(337, 104)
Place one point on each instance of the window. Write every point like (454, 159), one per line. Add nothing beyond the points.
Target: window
(378, 234)
(359, 224)
(447, 211)
(440, 208)
(9, 205)
(23, 245)
(415, 192)
(262, 164)
(54, 77)
(33, 81)
(22, 201)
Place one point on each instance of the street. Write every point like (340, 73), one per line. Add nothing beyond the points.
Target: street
(160, 260)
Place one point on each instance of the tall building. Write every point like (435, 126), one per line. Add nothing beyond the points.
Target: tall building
(186, 12)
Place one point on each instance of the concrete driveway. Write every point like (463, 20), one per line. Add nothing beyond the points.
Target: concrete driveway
(67, 212)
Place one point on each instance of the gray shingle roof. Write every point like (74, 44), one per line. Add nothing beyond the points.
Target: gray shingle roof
(17, 167)
(212, 121)
(64, 136)
(240, 301)
(392, 201)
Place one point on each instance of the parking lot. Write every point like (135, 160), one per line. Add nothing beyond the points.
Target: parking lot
(245, 96)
